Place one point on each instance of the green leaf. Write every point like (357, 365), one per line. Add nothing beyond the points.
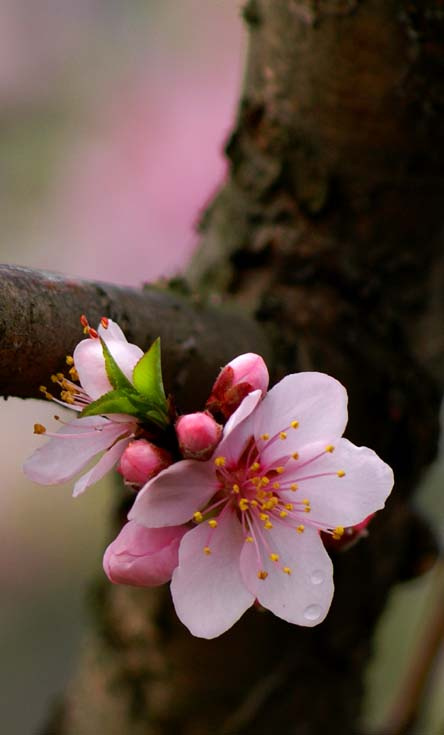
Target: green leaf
(116, 377)
(147, 376)
(114, 401)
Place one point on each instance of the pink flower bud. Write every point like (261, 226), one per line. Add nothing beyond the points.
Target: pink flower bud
(141, 461)
(236, 380)
(198, 435)
(143, 557)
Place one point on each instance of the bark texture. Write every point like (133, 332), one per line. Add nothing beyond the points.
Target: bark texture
(327, 231)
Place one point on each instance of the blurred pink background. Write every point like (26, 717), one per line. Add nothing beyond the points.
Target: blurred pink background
(113, 118)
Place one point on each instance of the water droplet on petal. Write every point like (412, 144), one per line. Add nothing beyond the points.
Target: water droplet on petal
(317, 577)
(312, 612)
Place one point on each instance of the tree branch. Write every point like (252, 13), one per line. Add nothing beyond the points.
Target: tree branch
(39, 326)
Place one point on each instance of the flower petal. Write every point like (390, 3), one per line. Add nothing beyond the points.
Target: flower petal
(175, 494)
(239, 428)
(316, 401)
(345, 500)
(208, 592)
(144, 557)
(90, 363)
(100, 469)
(62, 457)
(302, 596)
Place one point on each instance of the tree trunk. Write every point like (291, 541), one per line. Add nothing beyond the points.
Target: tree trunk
(327, 231)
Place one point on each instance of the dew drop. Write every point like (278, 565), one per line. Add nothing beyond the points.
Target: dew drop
(312, 612)
(317, 577)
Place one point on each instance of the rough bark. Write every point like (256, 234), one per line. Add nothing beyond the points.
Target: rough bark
(327, 230)
(40, 324)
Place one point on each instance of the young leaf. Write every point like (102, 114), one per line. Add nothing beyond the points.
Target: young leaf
(112, 402)
(147, 376)
(116, 377)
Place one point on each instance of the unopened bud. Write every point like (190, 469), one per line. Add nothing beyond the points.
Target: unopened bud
(198, 435)
(141, 461)
(236, 380)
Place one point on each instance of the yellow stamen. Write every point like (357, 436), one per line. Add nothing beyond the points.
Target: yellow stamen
(66, 396)
(293, 487)
(69, 360)
(249, 539)
(294, 424)
(236, 488)
(265, 437)
(305, 501)
(280, 470)
(301, 528)
(263, 516)
(295, 455)
(283, 514)
(287, 570)
(268, 525)
(74, 374)
(220, 461)
(243, 504)
(330, 448)
(255, 480)
(274, 557)
(254, 503)
(307, 509)
(212, 523)
(39, 429)
(198, 517)
(340, 473)
(282, 435)
(54, 379)
(276, 485)
(207, 550)
(265, 480)
(338, 532)
(289, 506)
(262, 574)
(255, 467)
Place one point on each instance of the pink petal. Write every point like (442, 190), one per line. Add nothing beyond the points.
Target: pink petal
(345, 501)
(144, 557)
(104, 465)
(317, 401)
(175, 494)
(62, 457)
(208, 592)
(302, 597)
(90, 363)
(239, 428)
(111, 332)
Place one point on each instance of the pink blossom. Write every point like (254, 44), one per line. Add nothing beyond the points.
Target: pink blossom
(141, 461)
(198, 435)
(241, 376)
(70, 449)
(143, 557)
(280, 475)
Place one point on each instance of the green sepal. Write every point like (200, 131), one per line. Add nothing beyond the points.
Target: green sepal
(115, 401)
(116, 377)
(147, 376)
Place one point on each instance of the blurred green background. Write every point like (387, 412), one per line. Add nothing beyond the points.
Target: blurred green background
(112, 120)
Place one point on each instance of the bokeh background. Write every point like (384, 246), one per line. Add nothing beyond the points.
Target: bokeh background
(112, 119)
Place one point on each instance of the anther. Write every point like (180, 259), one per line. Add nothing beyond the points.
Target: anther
(282, 435)
(255, 467)
(220, 461)
(249, 539)
(280, 470)
(198, 517)
(69, 360)
(262, 574)
(236, 488)
(288, 506)
(265, 480)
(276, 485)
(274, 557)
(92, 333)
(265, 437)
(104, 322)
(73, 373)
(212, 523)
(293, 487)
(330, 448)
(263, 516)
(300, 528)
(295, 455)
(207, 550)
(294, 424)
(287, 570)
(243, 504)
(268, 525)
(39, 429)
(340, 473)
(283, 514)
(338, 532)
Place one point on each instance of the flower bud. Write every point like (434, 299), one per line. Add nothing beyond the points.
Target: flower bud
(143, 557)
(141, 461)
(236, 380)
(198, 435)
